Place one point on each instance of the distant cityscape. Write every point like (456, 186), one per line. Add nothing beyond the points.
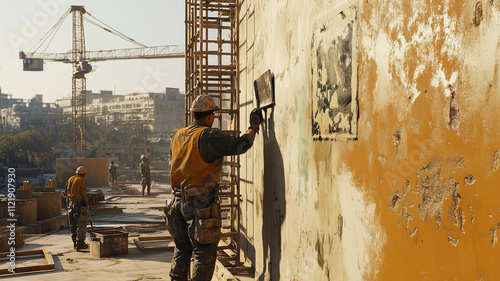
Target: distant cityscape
(153, 117)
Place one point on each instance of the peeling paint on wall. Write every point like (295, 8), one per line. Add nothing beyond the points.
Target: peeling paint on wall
(493, 233)
(454, 113)
(469, 180)
(453, 241)
(496, 161)
(434, 191)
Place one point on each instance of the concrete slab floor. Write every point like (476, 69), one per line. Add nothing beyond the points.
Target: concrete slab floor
(142, 216)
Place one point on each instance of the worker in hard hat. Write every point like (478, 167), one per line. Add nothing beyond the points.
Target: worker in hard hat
(76, 191)
(145, 174)
(193, 215)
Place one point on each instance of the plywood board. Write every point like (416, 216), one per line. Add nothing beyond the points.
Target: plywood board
(97, 171)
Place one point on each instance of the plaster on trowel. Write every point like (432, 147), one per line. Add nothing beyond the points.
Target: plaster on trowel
(264, 90)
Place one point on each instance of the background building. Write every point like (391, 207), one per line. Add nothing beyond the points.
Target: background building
(160, 113)
(33, 114)
(7, 101)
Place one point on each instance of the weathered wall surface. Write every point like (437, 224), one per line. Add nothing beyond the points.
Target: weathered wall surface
(415, 195)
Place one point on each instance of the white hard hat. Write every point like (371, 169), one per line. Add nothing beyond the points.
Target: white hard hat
(203, 103)
(81, 170)
(143, 156)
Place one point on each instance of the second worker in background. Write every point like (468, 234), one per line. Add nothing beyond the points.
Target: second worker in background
(194, 217)
(145, 174)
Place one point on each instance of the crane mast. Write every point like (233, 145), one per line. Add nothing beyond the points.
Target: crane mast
(80, 68)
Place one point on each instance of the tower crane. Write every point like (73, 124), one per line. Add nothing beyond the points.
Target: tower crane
(79, 57)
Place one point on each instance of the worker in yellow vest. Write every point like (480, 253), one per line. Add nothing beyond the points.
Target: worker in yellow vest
(194, 218)
(76, 191)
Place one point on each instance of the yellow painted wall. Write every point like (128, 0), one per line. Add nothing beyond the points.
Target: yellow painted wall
(416, 195)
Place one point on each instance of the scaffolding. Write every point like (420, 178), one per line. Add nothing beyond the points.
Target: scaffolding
(212, 68)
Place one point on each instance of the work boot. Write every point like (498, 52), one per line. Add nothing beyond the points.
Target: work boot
(83, 246)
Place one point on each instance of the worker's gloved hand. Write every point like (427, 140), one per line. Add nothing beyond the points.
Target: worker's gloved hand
(255, 119)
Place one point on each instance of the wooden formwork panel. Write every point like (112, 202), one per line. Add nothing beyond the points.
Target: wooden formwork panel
(49, 266)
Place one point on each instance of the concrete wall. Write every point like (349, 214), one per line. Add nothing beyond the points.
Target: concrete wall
(97, 171)
(412, 195)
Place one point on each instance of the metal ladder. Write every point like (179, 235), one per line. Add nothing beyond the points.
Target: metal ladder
(212, 68)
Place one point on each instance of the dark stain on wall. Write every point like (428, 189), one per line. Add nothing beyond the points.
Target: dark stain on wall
(478, 13)
(319, 250)
(341, 226)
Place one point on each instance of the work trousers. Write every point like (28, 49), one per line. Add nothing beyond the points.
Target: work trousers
(77, 221)
(146, 181)
(204, 255)
(113, 178)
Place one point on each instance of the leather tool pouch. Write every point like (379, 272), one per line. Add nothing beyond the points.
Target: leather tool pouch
(207, 224)
(207, 231)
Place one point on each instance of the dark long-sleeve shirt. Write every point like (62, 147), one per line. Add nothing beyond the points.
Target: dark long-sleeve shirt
(214, 144)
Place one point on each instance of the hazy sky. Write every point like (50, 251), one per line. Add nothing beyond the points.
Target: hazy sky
(150, 22)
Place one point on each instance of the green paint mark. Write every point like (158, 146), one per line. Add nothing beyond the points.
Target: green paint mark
(303, 159)
(301, 95)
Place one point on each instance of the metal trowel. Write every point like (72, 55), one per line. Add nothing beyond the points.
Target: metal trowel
(264, 90)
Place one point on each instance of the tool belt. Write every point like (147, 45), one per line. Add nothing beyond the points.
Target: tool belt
(78, 205)
(201, 203)
(202, 207)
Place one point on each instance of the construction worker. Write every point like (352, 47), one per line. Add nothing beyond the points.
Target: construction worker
(193, 215)
(112, 171)
(76, 191)
(145, 174)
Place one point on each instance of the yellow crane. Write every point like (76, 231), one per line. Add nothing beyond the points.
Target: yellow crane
(79, 57)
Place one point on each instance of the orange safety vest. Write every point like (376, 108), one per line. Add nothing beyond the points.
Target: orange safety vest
(187, 167)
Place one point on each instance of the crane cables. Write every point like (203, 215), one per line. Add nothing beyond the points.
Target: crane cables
(111, 30)
(50, 34)
(93, 20)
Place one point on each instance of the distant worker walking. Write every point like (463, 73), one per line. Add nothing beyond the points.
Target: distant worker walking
(145, 174)
(76, 191)
(112, 171)
(194, 217)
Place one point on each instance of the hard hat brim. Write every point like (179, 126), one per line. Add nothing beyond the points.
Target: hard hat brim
(203, 109)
